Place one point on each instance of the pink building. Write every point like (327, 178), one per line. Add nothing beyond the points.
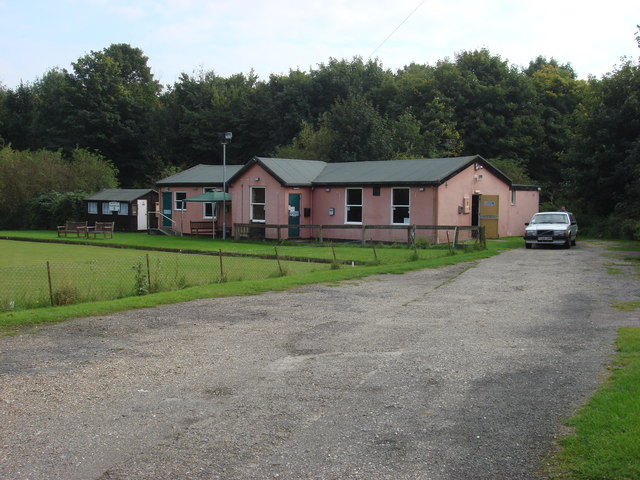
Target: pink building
(178, 211)
(460, 191)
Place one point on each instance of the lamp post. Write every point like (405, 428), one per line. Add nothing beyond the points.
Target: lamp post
(225, 137)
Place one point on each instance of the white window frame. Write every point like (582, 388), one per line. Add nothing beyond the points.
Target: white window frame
(213, 204)
(124, 208)
(179, 204)
(92, 208)
(348, 206)
(394, 205)
(513, 196)
(253, 204)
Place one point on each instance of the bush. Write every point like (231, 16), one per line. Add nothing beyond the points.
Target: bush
(54, 208)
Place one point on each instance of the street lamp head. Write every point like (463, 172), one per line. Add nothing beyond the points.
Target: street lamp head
(225, 137)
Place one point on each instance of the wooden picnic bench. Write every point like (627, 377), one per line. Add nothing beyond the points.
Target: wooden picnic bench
(103, 228)
(201, 228)
(79, 228)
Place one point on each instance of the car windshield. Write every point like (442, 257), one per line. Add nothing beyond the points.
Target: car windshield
(550, 218)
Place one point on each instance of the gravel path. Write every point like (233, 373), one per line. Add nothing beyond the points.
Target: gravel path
(457, 373)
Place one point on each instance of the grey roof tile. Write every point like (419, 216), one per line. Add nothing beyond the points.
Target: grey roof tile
(201, 175)
(119, 194)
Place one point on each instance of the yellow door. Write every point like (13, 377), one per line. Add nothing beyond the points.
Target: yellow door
(489, 214)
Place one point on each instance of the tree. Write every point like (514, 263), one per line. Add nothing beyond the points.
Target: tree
(309, 144)
(602, 165)
(558, 94)
(113, 98)
(16, 116)
(25, 175)
(359, 132)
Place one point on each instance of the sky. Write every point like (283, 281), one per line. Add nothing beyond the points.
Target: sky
(276, 36)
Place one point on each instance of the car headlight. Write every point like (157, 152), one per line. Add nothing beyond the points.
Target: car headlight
(529, 233)
(563, 233)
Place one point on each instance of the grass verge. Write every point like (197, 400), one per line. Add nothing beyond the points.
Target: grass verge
(606, 439)
(12, 322)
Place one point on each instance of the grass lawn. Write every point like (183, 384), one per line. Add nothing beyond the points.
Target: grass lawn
(344, 252)
(606, 439)
(36, 274)
(242, 275)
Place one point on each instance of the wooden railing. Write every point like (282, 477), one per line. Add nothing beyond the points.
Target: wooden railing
(248, 230)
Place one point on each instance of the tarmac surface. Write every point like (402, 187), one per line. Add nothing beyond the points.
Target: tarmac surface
(462, 372)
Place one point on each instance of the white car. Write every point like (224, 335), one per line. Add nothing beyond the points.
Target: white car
(551, 228)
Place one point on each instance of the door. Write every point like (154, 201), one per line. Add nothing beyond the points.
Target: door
(488, 214)
(142, 215)
(167, 208)
(294, 215)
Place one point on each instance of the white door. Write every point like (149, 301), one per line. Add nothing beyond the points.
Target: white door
(142, 214)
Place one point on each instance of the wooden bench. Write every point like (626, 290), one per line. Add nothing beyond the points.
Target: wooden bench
(103, 228)
(201, 228)
(79, 228)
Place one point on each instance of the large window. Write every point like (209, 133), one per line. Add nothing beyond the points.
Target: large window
(353, 205)
(92, 207)
(258, 204)
(179, 200)
(400, 205)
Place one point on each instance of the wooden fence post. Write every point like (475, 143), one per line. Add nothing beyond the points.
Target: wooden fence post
(148, 273)
(50, 286)
(278, 260)
(222, 279)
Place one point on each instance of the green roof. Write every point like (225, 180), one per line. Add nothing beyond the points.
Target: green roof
(119, 194)
(414, 171)
(288, 171)
(210, 197)
(419, 171)
(201, 175)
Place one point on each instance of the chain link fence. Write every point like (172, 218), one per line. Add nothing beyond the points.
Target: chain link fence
(53, 284)
(67, 283)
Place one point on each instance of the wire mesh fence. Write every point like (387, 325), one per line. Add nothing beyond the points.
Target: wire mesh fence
(67, 283)
(53, 284)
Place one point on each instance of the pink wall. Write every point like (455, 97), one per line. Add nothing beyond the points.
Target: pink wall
(527, 203)
(483, 182)
(276, 201)
(376, 211)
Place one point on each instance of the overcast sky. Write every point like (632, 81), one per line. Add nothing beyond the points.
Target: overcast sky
(274, 36)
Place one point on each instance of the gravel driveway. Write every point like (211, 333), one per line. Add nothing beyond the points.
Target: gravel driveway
(457, 373)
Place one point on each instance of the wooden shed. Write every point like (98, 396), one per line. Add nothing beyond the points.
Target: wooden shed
(127, 207)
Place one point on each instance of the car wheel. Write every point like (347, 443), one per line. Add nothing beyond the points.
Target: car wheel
(573, 242)
(567, 244)
(528, 245)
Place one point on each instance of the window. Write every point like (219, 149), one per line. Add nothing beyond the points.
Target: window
(179, 201)
(106, 210)
(258, 204)
(92, 207)
(400, 205)
(513, 197)
(353, 205)
(124, 208)
(209, 208)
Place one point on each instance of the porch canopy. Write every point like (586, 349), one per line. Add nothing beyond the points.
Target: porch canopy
(215, 196)
(211, 197)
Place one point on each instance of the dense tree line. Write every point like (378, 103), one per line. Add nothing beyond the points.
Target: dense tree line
(579, 140)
